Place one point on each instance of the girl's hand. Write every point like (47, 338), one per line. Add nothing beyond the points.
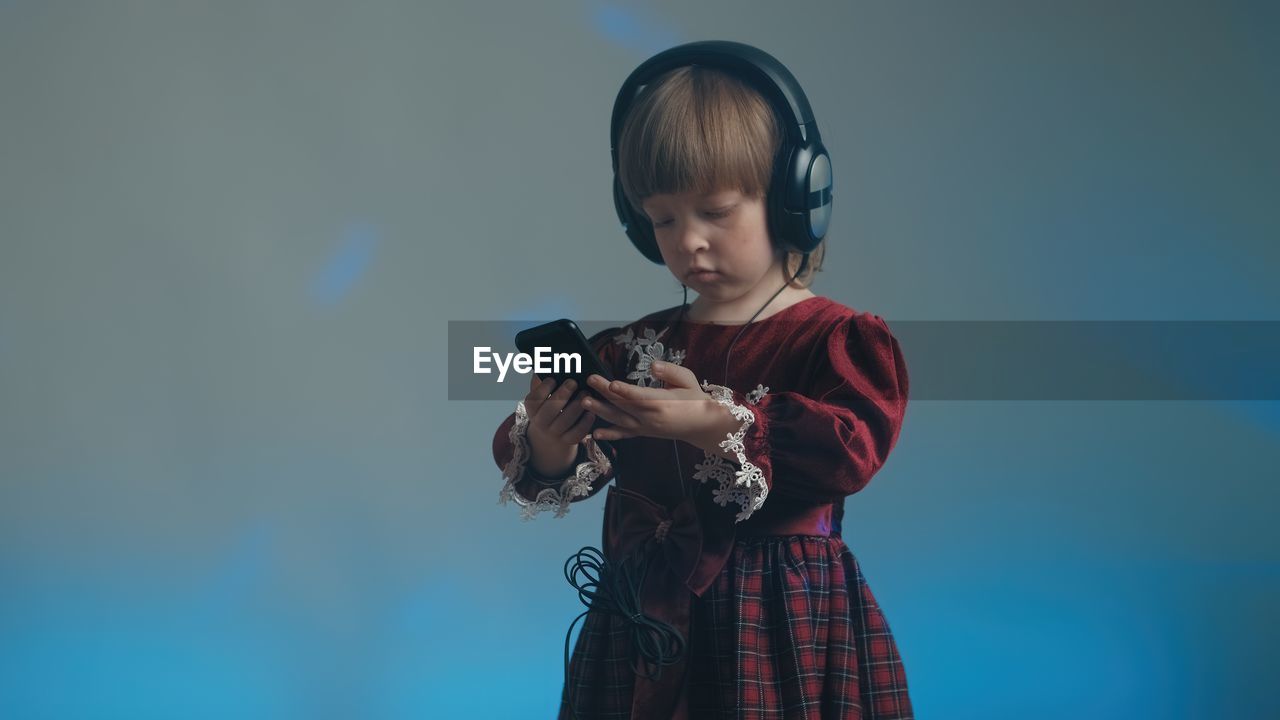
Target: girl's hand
(680, 410)
(556, 423)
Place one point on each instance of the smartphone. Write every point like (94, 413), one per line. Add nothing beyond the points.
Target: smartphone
(564, 336)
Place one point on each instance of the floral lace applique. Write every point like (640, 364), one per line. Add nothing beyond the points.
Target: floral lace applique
(744, 485)
(647, 349)
(557, 499)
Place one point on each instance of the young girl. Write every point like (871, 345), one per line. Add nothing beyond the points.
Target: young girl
(737, 426)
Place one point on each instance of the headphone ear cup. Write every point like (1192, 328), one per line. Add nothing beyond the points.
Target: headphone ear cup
(787, 227)
(820, 189)
(805, 202)
(638, 229)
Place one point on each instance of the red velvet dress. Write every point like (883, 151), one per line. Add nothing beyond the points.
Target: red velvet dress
(745, 558)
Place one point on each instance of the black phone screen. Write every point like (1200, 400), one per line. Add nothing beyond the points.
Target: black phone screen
(562, 337)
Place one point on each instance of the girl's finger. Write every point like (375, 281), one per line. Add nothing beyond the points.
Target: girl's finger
(555, 402)
(567, 416)
(636, 394)
(621, 390)
(611, 413)
(538, 394)
(611, 391)
(623, 393)
(612, 433)
(578, 432)
(674, 376)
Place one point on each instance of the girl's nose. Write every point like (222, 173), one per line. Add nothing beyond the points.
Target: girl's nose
(691, 238)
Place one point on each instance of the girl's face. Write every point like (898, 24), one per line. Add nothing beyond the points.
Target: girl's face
(723, 231)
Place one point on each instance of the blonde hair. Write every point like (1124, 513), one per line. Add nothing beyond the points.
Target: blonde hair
(700, 129)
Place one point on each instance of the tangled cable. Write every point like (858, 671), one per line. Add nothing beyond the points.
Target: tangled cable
(615, 588)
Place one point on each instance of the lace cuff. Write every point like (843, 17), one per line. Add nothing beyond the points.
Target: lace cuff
(576, 484)
(745, 484)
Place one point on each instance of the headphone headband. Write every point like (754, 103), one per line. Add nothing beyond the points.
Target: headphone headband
(799, 202)
(758, 68)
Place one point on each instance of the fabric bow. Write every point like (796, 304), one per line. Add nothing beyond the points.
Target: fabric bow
(631, 521)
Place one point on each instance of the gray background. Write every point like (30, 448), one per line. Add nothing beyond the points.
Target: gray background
(232, 236)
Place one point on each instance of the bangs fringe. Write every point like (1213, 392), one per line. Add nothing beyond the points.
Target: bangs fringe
(697, 130)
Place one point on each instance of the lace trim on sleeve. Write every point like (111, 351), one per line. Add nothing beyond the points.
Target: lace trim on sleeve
(576, 484)
(744, 485)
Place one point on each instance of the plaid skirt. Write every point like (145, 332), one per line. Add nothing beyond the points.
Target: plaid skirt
(789, 630)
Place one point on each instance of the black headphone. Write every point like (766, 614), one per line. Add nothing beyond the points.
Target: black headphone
(800, 192)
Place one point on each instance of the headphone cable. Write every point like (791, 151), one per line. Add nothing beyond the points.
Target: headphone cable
(615, 587)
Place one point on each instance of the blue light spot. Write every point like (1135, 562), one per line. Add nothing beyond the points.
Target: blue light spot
(346, 265)
(625, 29)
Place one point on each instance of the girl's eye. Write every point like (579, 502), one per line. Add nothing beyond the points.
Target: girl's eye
(715, 215)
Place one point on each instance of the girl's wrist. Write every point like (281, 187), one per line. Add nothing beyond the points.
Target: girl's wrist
(720, 425)
(566, 468)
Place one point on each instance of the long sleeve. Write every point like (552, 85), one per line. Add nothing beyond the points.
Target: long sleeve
(825, 443)
(591, 471)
